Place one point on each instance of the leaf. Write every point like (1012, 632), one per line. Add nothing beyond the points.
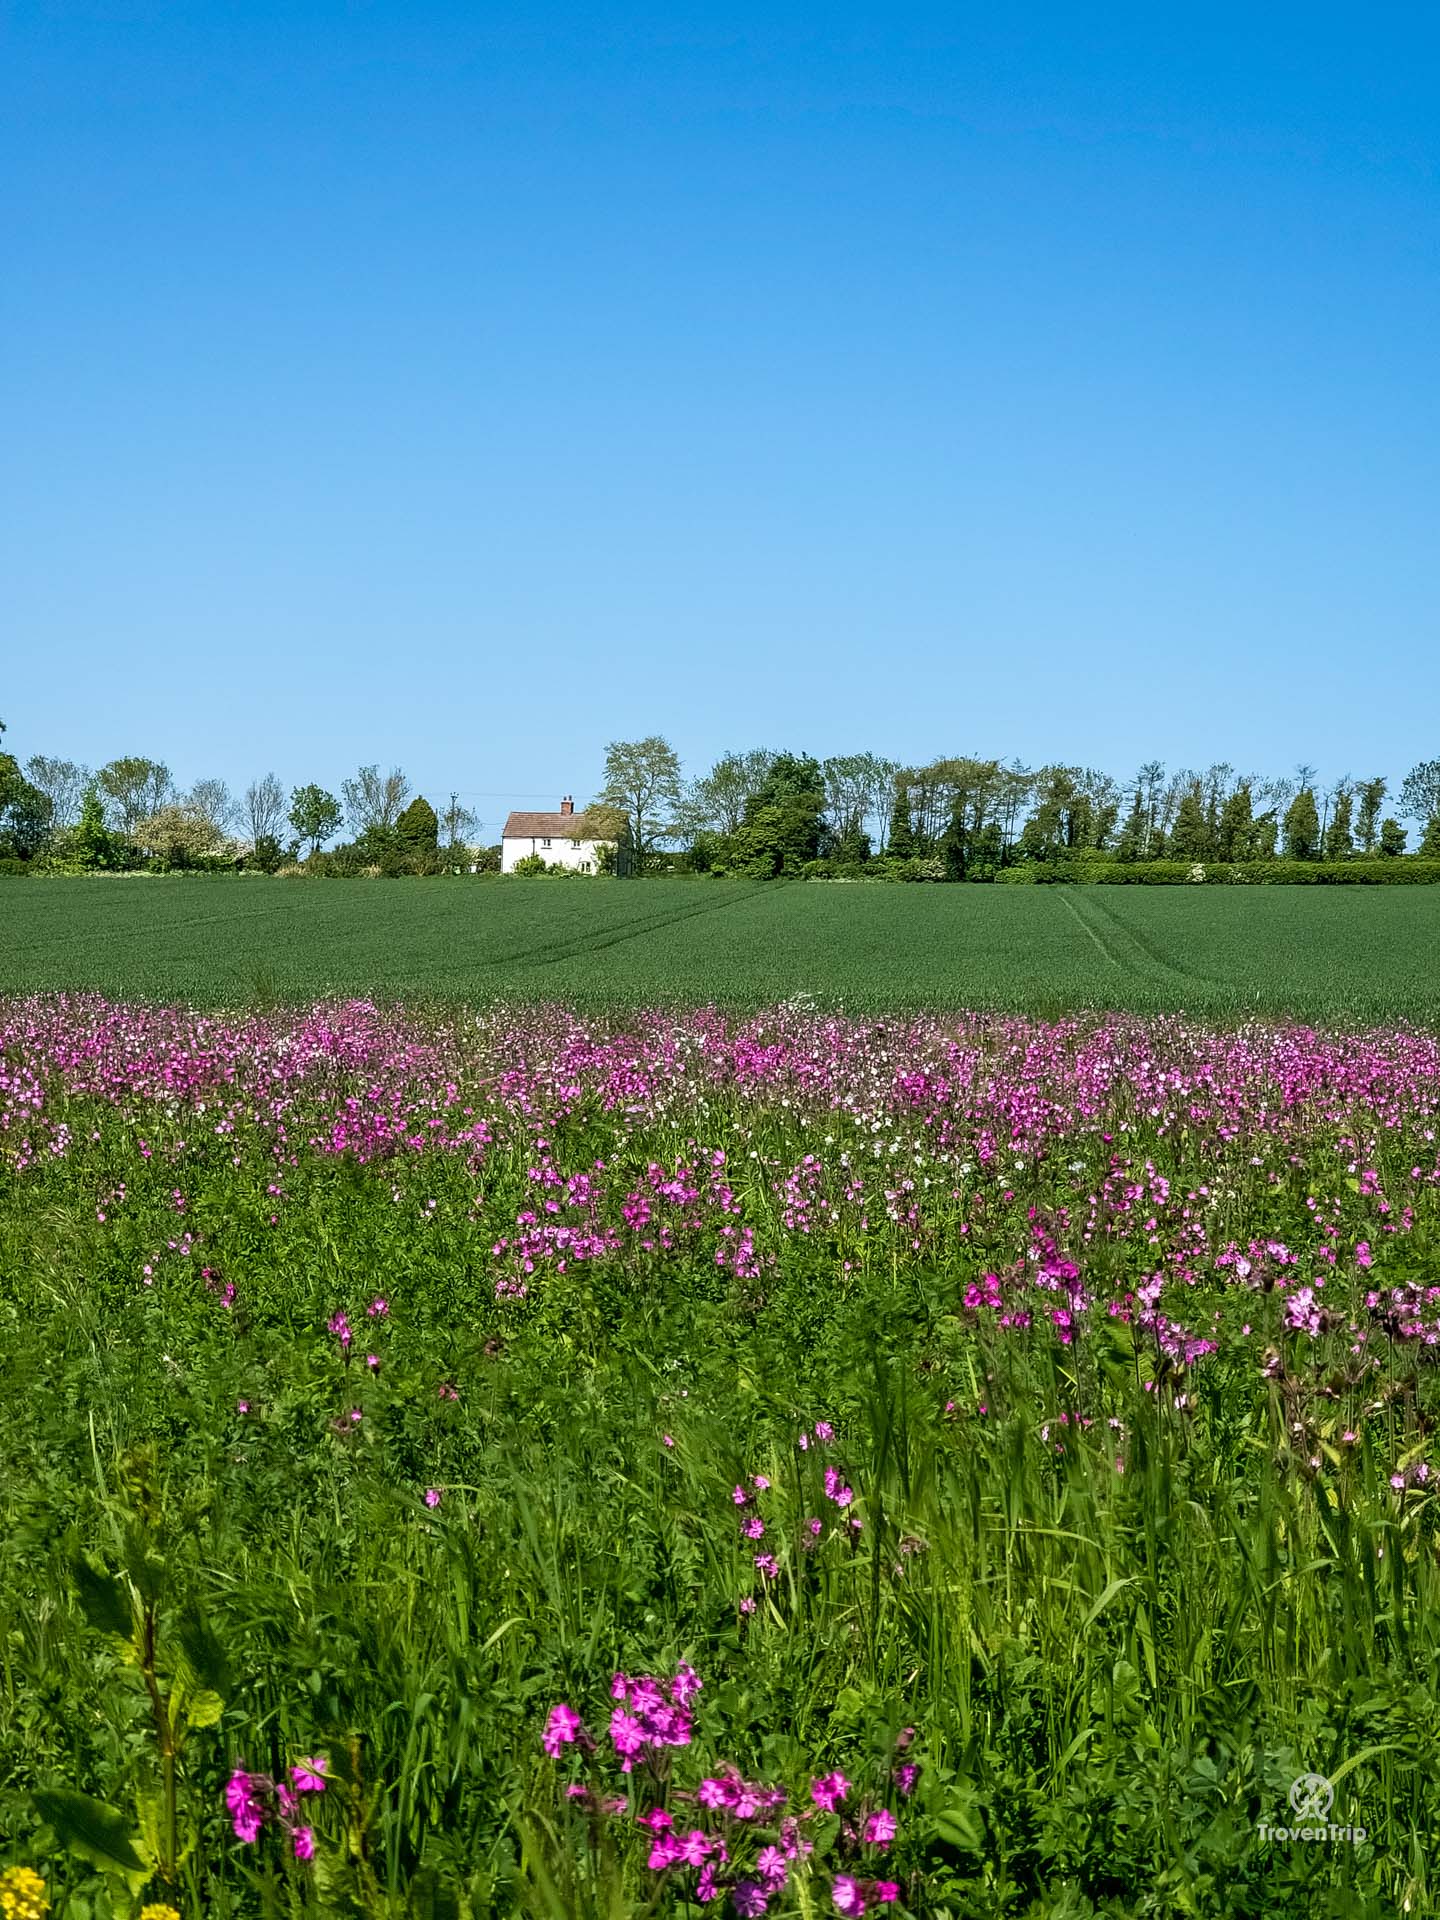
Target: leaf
(102, 1599)
(428, 1900)
(144, 1567)
(204, 1655)
(88, 1827)
(1117, 1585)
(203, 1709)
(957, 1826)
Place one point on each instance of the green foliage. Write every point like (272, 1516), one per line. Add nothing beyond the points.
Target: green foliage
(1339, 834)
(1372, 798)
(1420, 791)
(1114, 1674)
(267, 854)
(1190, 837)
(418, 826)
(642, 781)
(1271, 873)
(315, 815)
(92, 847)
(135, 787)
(25, 813)
(178, 838)
(900, 835)
(1302, 827)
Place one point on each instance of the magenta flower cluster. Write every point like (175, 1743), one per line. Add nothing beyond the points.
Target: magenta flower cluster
(733, 1834)
(255, 1800)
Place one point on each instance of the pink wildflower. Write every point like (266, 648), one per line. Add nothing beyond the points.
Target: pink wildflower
(847, 1895)
(772, 1867)
(880, 1828)
(309, 1773)
(828, 1790)
(562, 1727)
(685, 1685)
(303, 1839)
(247, 1816)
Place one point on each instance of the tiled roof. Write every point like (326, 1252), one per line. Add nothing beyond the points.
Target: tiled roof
(547, 826)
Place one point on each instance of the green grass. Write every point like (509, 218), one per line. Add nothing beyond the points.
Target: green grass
(1329, 955)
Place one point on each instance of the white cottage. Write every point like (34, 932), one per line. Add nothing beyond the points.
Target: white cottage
(563, 839)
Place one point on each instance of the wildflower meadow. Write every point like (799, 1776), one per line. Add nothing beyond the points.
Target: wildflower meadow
(577, 1465)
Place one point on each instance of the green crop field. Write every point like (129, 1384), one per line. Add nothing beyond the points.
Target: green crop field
(1320, 953)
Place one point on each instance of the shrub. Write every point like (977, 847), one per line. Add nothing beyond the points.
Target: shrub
(1265, 873)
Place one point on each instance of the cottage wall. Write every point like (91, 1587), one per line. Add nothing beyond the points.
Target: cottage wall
(562, 852)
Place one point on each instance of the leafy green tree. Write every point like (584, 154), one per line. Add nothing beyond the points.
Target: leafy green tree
(92, 845)
(1372, 798)
(1302, 826)
(642, 778)
(777, 838)
(419, 826)
(1420, 792)
(791, 776)
(177, 836)
(63, 782)
(135, 787)
(1134, 832)
(900, 835)
(1392, 839)
(25, 812)
(1264, 836)
(1339, 840)
(1071, 810)
(955, 842)
(1430, 841)
(1190, 836)
(1236, 829)
(716, 802)
(315, 815)
(266, 853)
(784, 824)
(857, 786)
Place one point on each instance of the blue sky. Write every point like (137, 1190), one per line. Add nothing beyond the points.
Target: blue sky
(464, 386)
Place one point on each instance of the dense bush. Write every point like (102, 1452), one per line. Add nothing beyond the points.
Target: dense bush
(1090, 870)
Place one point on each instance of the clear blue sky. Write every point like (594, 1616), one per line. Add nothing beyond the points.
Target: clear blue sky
(461, 386)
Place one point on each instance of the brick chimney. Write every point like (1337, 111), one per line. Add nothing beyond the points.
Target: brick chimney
(567, 805)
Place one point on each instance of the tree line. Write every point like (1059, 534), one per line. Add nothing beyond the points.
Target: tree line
(768, 812)
(760, 813)
(130, 813)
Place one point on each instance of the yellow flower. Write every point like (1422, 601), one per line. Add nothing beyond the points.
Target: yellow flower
(159, 1911)
(22, 1895)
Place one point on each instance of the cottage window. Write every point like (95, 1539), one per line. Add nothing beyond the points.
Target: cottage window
(544, 843)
